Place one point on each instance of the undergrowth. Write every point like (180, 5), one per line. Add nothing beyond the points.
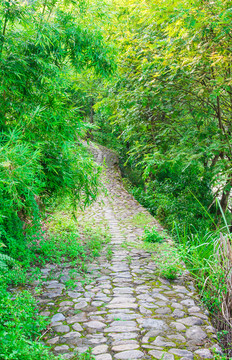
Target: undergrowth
(153, 236)
(204, 247)
(167, 257)
(62, 240)
(87, 355)
(20, 326)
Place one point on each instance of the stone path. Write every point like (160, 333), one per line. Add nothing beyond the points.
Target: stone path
(125, 312)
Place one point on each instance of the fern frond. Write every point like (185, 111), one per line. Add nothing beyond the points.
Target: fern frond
(5, 261)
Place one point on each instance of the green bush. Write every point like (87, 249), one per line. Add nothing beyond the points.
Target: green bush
(41, 124)
(172, 197)
(20, 325)
(152, 235)
(204, 259)
(65, 240)
(169, 271)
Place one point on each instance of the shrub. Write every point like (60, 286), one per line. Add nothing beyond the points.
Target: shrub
(153, 236)
(20, 325)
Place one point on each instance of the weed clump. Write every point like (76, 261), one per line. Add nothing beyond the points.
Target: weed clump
(169, 271)
(153, 236)
(87, 355)
(20, 326)
(63, 241)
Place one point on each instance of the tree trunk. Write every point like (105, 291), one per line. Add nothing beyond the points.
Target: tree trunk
(225, 197)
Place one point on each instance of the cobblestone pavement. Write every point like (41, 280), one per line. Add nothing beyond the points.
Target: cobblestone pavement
(126, 311)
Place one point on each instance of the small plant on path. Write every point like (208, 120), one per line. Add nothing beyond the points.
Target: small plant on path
(153, 236)
(87, 355)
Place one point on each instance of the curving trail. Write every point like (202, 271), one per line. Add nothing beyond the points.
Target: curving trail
(125, 312)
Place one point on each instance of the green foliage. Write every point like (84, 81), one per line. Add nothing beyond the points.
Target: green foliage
(169, 104)
(170, 196)
(169, 261)
(20, 325)
(64, 242)
(202, 258)
(141, 219)
(169, 271)
(109, 254)
(152, 235)
(19, 187)
(20, 275)
(167, 258)
(87, 355)
(42, 47)
(167, 112)
(5, 260)
(69, 246)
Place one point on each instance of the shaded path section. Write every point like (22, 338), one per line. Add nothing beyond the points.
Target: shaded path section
(126, 311)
